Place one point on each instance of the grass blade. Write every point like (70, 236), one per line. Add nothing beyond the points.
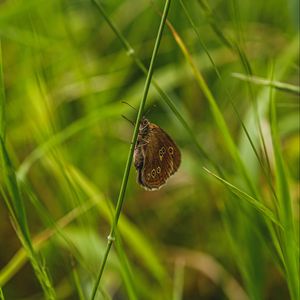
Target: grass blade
(111, 236)
(244, 196)
(290, 239)
(271, 83)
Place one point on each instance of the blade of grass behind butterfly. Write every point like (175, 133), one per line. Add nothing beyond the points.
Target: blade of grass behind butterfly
(244, 196)
(135, 283)
(2, 127)
(178, 280)
(20, 257)
(126, 270)
(253, 255)
(16, 202)
(283, 61)
(2, 98)
(127, 275)
(239, 46)
(55, 160)
(64, 134)
(58, 165)
(245, 219)
(283, 86)
(51, 224)
(21, 223)
(76, 280)
(290, 236)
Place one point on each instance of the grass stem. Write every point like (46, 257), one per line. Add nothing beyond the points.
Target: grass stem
(120, 201)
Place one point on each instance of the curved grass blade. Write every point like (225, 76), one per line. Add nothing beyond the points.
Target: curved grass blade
(290, 88)
(289, 237)
(244, 196)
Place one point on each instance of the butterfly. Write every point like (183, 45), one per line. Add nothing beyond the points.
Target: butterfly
(156, 156)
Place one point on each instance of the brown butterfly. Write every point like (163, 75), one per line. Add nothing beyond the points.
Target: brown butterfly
(156, 157)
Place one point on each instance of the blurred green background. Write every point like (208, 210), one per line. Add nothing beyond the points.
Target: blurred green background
(64, 76)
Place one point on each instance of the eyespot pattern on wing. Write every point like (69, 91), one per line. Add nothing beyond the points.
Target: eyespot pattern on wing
(161, 159)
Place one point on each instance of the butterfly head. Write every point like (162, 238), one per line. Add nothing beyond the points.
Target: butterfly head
(144, 126)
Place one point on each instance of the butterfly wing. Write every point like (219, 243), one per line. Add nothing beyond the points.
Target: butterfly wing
(161, 159)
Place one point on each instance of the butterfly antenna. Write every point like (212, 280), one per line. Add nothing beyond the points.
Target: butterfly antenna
(149, 109)
(129, 105)
(131, 122)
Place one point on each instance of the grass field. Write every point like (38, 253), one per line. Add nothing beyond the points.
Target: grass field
(221, 77)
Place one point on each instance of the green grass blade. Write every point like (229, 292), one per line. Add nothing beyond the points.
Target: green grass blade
(1, 294)
(20, 258)
(178, 281)
(290, 237)
(16, 205)
(128, 277)
(14, 193)
(2, 97)
(290, 88)
(76, 280)
(21, 223)
(259, 206)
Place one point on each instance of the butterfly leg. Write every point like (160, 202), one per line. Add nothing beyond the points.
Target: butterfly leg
(141, 143)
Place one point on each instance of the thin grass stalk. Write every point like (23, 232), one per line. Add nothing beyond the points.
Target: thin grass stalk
(268, 214)
(76, 279)
(2, 98)
(289, 237)
(1, 294)
(126, 271)
(130, 283)
(16, 207)
(239, 45)
(15, 203)
(20, 257)
(120, 201)
(282, 86)
(52, 224)
(178, 280)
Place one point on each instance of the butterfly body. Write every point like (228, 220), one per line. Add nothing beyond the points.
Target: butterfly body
(156, 156)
